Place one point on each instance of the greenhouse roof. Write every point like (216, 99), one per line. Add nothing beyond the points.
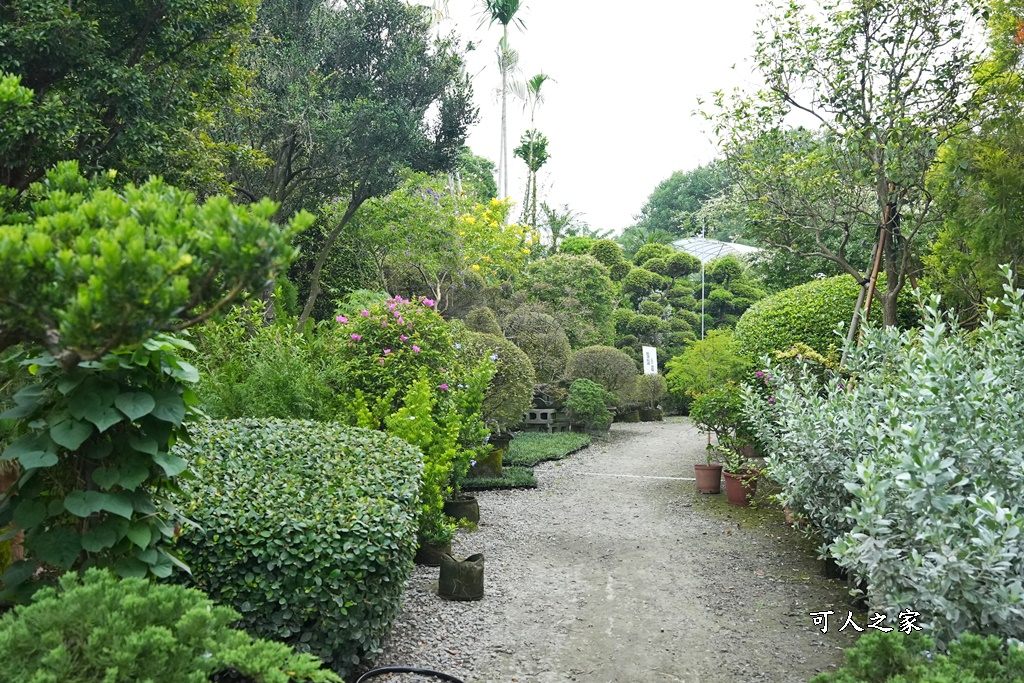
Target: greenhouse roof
(708, 250)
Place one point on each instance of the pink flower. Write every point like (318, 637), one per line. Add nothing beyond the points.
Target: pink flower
(444, 387)
(383, 323)
(366, 313)
(356, 337)
(398, 314)
(341, 319)
(391, 308)
(428, 302)
(387, 351)
(381, 361)
(404, 338)
(415, 349)
(401, 322)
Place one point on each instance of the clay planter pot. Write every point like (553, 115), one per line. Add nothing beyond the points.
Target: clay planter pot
(487, 466)
(464, 507)
(709, 478)
(429, 553)
(740, 487)
(650, 415)
(461, 579)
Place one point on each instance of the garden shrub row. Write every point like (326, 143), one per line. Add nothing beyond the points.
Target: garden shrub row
(909, 466)
(307, 529)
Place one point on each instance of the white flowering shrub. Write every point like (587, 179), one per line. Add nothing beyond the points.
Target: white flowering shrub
(913, 471)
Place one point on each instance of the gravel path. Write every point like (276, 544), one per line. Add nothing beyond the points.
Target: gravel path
(615, 569)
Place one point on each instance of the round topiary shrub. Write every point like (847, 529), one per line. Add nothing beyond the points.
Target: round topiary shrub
(96, 627)
(579, 292)
(640, 282)
(618, 271)
(644, 326)
(607, 252)
(483, 320)
(577, 245)
(621, 318)
(307, 529)
(649, 251)
(724, 270)
(543, 341)
(510, 392)
(681, 264)
(809, 314)
(649, 307)
(650, 389)
(656, 265)
(611, 368)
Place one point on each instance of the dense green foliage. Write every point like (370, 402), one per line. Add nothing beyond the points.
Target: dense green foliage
(910, 470)
(542, 339)
(307, 529)
(510, 391)
(607, 366)
(896, 657)
(708, 363)
(117, 84)
(674, 205)
(97, 628)
(580, 293)
(650, 389)
(530, 448)
(809, 314)
(94, 279)
(588, 404)
(511, 478)
(483, 320)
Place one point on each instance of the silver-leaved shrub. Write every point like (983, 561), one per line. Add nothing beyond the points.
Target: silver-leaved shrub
(912, 471)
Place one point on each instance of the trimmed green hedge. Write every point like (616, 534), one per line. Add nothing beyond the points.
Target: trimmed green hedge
(808, 314)
(511, 478)
(307, 529)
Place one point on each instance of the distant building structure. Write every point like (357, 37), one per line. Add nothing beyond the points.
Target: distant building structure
(708, 249)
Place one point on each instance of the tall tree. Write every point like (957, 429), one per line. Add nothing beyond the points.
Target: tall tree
(886, 82)
(349, 94)
(673, 205)
(530, 92)
(129, 85)
(504, 12)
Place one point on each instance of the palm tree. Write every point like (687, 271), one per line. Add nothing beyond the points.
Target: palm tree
(529, 92)
(503, 12)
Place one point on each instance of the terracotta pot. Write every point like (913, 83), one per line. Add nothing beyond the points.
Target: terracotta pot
(429, 553)
(461, 579)
(465, 507)
(740, 487)
(709, 478)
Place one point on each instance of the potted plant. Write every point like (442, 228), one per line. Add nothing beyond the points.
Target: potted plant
(587, 404)
(740, 475)
(716, 411)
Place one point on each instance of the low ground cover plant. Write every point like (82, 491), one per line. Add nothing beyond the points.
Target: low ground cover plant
(511, 478)
(307, 529)
(98, 628)
(530, 448)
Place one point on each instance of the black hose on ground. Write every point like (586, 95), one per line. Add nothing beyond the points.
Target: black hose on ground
(406, 670)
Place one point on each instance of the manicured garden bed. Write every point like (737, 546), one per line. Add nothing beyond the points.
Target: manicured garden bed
(511, 478)
(530, 449)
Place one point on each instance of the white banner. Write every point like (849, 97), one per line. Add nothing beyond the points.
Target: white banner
(650, 360)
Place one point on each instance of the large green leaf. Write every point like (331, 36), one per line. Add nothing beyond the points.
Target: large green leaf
(135, 404)
(171, 464)
(103, 417)
(59, 547)
(169, 407)
(71, 433)
(29, 513)
(106, 477)
(99, 538)
(32, 451)
(140, 534)
(85, 503)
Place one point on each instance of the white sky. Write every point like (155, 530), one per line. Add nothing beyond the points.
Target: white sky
(619, 114)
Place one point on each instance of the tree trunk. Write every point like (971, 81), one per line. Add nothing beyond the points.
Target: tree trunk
(314, 280)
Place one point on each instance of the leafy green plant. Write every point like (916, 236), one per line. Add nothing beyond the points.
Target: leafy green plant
(607, 366)
(530, 448)
(580, 293)
(307, 529)
(98, 628)
(510, 391)
(705, 364)
(96, 280)
(587, 403)
(650, 389)
(911, 470)
(483, 320)
(896, 657)
(653, 250)
(718, 411)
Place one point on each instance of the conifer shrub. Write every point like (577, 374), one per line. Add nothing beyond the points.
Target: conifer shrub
(542, 339)
(98, 628)
(588, 404)
(510, 392)
(649, 251)
(306, 529)
(483, 320)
